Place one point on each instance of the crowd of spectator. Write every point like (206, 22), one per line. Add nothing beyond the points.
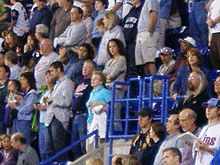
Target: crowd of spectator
(59, 59)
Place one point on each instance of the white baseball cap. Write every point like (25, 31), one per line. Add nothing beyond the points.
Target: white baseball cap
(189, 40)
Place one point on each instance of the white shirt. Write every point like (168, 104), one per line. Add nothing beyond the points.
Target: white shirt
(210, 135)
(213, 13)
(42, 66)
(22, 20)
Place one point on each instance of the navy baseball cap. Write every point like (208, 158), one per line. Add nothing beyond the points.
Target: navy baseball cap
(213, 102)
(146, 112)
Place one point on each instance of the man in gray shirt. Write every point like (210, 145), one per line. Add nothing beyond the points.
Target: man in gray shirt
(75, 34)
(172, 140)
(147, 37)
(27, 155)
(48, 57)
(58, 110)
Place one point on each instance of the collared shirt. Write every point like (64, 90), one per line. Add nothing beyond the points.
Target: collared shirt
(171, 141)
(28, 156)
(14, 72)
(98, 94)
(61, 102)
(43, 112)
(139, 144)
(60, 21)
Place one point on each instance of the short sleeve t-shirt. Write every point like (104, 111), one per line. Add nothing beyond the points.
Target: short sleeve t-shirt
(144, 20)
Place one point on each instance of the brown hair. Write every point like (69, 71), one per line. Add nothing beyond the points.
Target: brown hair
(131, 160)
(100, 22)
(175, 151)
(159, 130)
(195, 52)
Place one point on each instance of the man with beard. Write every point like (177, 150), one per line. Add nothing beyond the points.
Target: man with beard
(196, 94)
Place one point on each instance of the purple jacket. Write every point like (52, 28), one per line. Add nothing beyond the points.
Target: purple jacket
(12, 158)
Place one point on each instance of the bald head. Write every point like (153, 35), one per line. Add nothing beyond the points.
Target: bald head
(188, 113)
(187, 119)
(46, 47)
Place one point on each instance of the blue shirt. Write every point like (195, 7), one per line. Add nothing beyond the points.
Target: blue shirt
(26, 106)
(98, 94)
(43, 16)
(165, 6)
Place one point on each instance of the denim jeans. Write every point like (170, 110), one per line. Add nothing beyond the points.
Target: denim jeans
(56, 137)
(79, 129)
(197, 24)
(24, 127)
(2, 128)
(42, 141)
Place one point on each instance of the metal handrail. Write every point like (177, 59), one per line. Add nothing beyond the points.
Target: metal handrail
(49, 160)
(145, 85)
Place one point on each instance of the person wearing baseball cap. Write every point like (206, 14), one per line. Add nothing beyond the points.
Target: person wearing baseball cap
(167, 68)
(140, 143)
(213, 102)
(209, 138)
(188, 40)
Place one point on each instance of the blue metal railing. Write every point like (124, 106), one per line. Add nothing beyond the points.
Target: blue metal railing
(144, 96)
(51, 159)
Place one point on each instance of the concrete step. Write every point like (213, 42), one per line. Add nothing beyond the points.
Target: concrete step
(119, 147)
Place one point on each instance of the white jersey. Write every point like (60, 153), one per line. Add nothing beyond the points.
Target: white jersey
(213, 13)
(19, 14)
(211, 137)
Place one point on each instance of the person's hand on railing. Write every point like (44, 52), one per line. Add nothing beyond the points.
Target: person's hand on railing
(174, 96)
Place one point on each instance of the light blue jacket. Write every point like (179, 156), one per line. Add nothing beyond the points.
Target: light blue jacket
(99, 94)
(26, 106)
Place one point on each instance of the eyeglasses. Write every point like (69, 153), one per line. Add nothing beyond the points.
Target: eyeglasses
(7, 37)
(192, 78)
(217, 83)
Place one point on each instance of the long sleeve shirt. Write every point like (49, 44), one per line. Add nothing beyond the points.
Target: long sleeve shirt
(28, 156)
(116, 68)
(60, 21)
(74, 35)
(171, 141)
(102, 56)
(42, 16)
(61, 102)
(14, 72)
(26, 106)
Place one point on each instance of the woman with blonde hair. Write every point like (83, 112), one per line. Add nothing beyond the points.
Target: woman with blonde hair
(196, 94)
(194, 63)
(113, 31)
(97, 106)
(8, 154)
